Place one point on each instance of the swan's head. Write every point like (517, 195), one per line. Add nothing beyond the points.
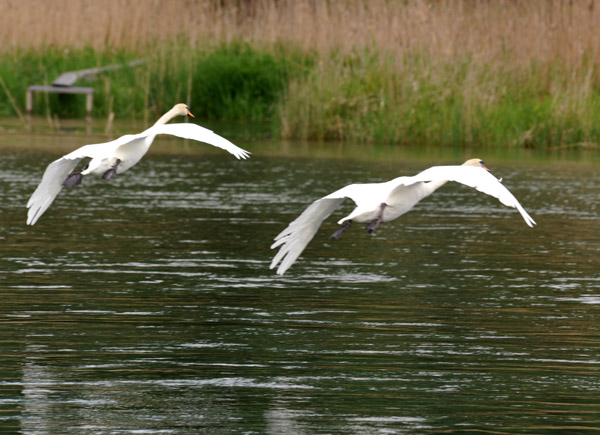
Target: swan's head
(475, 162)
(182, 109)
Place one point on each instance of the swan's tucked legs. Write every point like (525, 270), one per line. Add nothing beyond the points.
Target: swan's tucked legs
(73, 180)
(341, 230)
(112, 172)
(377, 221)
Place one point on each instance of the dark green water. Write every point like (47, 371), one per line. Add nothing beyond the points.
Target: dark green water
(147, 305)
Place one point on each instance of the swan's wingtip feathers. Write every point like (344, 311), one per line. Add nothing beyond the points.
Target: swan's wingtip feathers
(295, 237)
(36, 210)
(529, 221)
(280, 270)
(31, 217)
(276, 262)
(243, 154)
(35, 213)
(238, 153)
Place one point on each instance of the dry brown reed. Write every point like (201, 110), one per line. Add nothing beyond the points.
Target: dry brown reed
(488, 30)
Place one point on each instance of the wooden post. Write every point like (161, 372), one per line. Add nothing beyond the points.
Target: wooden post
(89, 103)
(29, 101)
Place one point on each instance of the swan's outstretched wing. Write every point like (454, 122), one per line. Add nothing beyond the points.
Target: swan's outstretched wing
(52, 181)
(298, 233)
(196, 132)
(59, 170)
(475, 177)
(49, 187)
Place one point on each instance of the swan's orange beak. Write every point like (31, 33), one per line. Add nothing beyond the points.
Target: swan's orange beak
(190, 114)
(486, 168)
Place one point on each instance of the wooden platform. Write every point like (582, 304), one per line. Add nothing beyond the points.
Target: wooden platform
(89, 95)
(63, 84)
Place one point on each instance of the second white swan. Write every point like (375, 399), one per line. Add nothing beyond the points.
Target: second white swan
(115, 157)
(383, 202)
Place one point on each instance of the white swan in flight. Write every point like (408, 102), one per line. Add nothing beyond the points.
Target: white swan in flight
(383, 202)
(112, 158)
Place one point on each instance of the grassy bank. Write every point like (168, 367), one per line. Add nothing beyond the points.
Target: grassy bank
(362, 95)
(366, 97)
(234, 81)
(505, 73)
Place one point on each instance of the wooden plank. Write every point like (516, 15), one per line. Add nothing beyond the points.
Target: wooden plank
(70, 77)
(61, 89)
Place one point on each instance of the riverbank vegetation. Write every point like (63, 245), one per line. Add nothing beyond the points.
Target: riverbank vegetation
(503, 73)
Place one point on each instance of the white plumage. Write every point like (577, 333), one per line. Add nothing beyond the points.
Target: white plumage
(383, 202)
(115, 157)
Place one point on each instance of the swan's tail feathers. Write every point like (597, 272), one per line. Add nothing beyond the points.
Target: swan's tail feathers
(294, 239)
(50, 186)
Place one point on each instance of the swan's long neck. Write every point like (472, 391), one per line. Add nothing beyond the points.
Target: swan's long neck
(167, 117)
(162, 120)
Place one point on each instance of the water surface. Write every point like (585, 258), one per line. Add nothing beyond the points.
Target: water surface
(146, 305)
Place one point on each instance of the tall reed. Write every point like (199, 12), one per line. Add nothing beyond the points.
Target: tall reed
(366, 97)
(492, 32)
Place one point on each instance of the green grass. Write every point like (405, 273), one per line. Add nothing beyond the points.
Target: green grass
(363, 96)
(368, 97)
(229, 82)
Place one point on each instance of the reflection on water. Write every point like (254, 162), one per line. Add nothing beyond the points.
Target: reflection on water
(147, 305)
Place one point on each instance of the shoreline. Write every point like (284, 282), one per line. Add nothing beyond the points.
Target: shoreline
(73, 133)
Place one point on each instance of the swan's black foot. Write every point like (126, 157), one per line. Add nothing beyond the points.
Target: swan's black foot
(377, 221)
(341, 230)
(73, 180)
(373, 225)
(112, 172)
